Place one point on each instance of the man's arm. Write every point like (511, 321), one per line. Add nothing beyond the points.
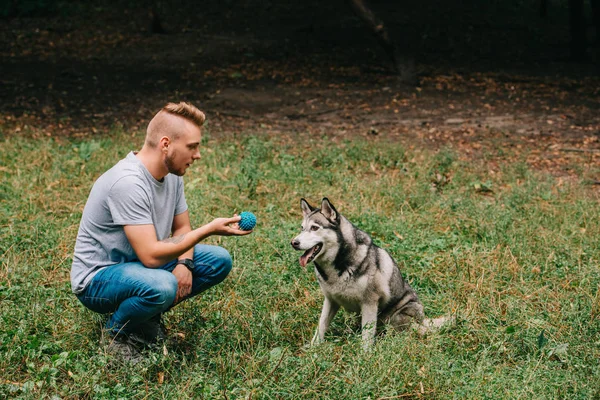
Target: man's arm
(182, 226)
(154, 253)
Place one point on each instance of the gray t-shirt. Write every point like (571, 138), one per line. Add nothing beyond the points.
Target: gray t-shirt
(126, 194)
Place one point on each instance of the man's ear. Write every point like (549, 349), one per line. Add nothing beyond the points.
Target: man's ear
(328, 210)
(164, 143)
(306, 208)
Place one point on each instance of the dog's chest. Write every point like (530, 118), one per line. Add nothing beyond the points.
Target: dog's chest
(347, 291)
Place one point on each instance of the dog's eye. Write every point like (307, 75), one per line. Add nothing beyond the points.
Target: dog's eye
(314, 228)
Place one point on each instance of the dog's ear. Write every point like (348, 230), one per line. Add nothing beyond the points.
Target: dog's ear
(328, 210)
(306, 208)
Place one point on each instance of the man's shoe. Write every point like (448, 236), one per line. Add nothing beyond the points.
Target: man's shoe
(125, 347)
(152, 331)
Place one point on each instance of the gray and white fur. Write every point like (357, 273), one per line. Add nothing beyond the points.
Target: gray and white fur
(356, 274)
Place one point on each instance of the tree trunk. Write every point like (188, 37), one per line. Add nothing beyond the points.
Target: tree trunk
(155, 25)
(577, 30)
(543, 8)
(403, 62)
(596, 18)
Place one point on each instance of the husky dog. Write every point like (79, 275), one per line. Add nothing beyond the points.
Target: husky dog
(356, 274)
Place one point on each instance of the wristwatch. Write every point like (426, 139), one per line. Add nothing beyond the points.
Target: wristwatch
(188, 262)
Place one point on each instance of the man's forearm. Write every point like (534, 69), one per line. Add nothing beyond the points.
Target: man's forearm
(153, 253)
(175, 247)
(178, 234)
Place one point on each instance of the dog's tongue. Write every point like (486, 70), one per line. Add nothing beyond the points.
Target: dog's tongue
(304, 257)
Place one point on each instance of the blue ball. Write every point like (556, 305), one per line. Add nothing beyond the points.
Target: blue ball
(248, 221)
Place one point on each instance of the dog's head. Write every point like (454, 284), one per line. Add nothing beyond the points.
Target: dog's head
(319, 227)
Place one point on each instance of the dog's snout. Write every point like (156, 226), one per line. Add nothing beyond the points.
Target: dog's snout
(295, 243)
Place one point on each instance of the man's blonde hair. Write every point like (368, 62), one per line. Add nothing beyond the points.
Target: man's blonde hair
(163, 125)
(187, 111)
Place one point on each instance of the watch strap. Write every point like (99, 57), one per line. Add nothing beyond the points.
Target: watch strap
(188, 262)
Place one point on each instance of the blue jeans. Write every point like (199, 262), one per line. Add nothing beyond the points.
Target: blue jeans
(135, 294)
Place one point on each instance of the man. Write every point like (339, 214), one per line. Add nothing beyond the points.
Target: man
(136, 254)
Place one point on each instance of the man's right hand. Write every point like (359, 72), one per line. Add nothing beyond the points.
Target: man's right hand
(227, 227)
(184, 282)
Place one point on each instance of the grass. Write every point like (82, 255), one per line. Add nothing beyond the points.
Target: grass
(514, 253)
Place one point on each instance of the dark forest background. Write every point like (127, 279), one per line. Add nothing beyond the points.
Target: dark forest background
(81, 63)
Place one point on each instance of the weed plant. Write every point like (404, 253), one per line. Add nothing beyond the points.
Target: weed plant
(513, 253)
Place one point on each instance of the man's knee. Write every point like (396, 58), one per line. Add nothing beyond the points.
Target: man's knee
(220, 261)
(163, 291)
(224, 263)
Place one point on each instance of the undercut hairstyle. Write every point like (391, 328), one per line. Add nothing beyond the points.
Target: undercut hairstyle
(187, 111)
(163, 123)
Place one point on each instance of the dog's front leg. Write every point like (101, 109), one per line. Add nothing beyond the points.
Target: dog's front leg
(369, 324)
(327, 313)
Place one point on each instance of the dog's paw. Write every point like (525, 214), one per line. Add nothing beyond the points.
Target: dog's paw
(316, 340)
(368, 346)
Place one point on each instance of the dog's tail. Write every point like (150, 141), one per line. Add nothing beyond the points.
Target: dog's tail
(429, 325)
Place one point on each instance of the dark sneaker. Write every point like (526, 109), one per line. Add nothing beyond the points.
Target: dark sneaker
(153, 330)
(125, 347)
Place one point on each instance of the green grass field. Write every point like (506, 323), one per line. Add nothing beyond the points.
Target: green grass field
(514, 254)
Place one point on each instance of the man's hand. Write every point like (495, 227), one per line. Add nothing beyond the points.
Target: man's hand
(184, 282)
(227, 227)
